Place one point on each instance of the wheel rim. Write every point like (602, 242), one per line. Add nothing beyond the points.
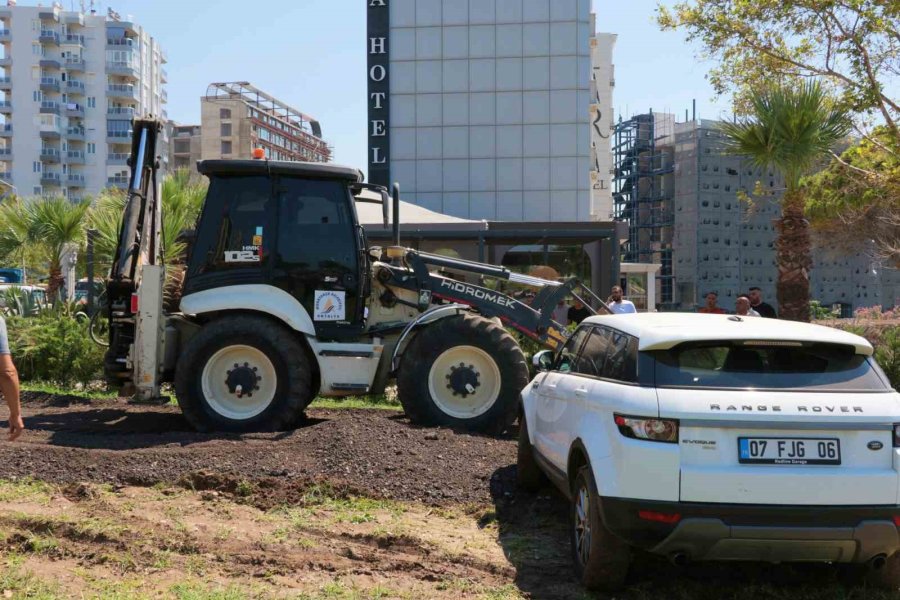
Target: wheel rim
(464, 382)
(583, 525)
(227, 377)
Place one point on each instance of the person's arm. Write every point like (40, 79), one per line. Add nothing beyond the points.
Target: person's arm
(9, 385)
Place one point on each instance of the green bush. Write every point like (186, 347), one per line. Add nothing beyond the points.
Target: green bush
(887, 354)
(54, 348)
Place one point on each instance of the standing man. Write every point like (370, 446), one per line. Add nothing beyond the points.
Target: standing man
(9, 385)
(578, 312)
(764, 310)
(712, 307)
(561, 312)
(742, 307)
(618, 304)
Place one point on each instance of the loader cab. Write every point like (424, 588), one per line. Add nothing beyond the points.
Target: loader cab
(290, 225)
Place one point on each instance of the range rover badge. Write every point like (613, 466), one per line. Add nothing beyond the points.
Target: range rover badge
(875, 445)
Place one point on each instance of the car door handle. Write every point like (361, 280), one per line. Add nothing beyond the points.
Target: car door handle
(550, 386)
(581, 393)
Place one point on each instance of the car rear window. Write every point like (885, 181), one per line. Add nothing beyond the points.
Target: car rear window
(767, 365)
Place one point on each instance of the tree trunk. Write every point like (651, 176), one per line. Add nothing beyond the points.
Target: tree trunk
(54, 283)
(793, 257)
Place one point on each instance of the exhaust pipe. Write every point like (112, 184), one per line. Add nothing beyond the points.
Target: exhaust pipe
(877, 562)
(679, 559)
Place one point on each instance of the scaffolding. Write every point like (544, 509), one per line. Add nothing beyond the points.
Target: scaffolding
(643, 149)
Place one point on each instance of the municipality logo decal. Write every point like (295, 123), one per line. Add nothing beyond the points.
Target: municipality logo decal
(329, 306)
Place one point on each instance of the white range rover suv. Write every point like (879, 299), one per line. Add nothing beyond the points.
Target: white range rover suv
(715, 437)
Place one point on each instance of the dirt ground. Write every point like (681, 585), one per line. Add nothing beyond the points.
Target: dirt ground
(106, 500)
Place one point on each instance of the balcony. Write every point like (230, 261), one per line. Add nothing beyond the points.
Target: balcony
(72, 39)
(118, 137)
(120, 181)
(6, 61)
(50, 63)
(75, 134)
(5, 35)
(5, 106)
(121, 90)
(74, 110)
(49, 107)
(49, 84)
(120, 112)
(48, 15)
(5, 83)
(74, 87)
(75, 157)
(73, 18)
(117, 158)
(50, 155)
(163, 56)
(75, 180)
(6, 153)
(164, 96)
(48, 132)
(6, 176)
(75, 64)
(6, 130)
(48, 36)
(50, 178)
(125, 69)
(163, 76)
(119, 42)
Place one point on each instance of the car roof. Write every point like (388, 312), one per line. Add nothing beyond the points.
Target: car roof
(660, 331)
(267, 167)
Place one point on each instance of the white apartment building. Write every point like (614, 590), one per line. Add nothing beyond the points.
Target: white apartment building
(603, 81)
(71, 82)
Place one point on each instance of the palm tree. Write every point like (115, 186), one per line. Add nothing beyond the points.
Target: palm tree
(791, 128)
(42, 228)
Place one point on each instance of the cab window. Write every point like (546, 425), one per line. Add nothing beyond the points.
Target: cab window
(238, 239)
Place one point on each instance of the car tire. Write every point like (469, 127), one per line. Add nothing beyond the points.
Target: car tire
(529, 476)
(601, 558)
(257, 347)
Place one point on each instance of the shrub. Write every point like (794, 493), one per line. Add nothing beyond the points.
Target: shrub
(54, 348)
(887, 354)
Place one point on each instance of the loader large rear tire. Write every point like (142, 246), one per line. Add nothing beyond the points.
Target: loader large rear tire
(463, 372)
(243, 373)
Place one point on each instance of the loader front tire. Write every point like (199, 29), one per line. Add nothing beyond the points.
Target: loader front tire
(243, 373)
(464, 372)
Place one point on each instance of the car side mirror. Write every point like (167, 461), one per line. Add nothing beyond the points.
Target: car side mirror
(543, 360)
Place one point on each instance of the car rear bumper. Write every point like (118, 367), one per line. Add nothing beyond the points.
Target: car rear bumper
(848, 534)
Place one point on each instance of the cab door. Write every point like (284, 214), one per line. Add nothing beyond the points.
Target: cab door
(317, 252)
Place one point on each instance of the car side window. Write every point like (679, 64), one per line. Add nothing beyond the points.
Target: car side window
(594, 353)
(621, 362)
(566, 357)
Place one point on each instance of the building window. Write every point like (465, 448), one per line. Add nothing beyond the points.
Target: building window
(226, 130)
(91, 148)
(226, 147)
(38, 96)
(224, 113)
(35, 167)
(92, 102)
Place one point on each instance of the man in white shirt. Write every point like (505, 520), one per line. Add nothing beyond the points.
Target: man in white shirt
(743, 308)
(618, 304)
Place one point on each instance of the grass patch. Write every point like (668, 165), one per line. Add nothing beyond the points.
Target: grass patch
(49, 388)
(381, 402)
(27, 488)
(24, 584)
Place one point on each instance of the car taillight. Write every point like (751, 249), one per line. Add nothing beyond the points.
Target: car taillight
(654, 430)
(896, 435)
(897, 521)
(134, 304)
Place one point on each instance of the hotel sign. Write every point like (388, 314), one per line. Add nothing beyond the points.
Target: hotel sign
(378, 17)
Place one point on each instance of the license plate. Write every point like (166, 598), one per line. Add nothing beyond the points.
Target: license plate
(789, 451)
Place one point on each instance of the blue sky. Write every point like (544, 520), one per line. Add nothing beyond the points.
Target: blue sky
(311, 54)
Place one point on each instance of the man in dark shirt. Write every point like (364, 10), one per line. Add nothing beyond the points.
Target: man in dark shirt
(578, 312)
(764, 310)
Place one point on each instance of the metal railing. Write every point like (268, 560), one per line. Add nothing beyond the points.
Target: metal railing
(123, 41)
(117, 157)
(120, 88)
(120, 111)
(71, 38)
(76, 131)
